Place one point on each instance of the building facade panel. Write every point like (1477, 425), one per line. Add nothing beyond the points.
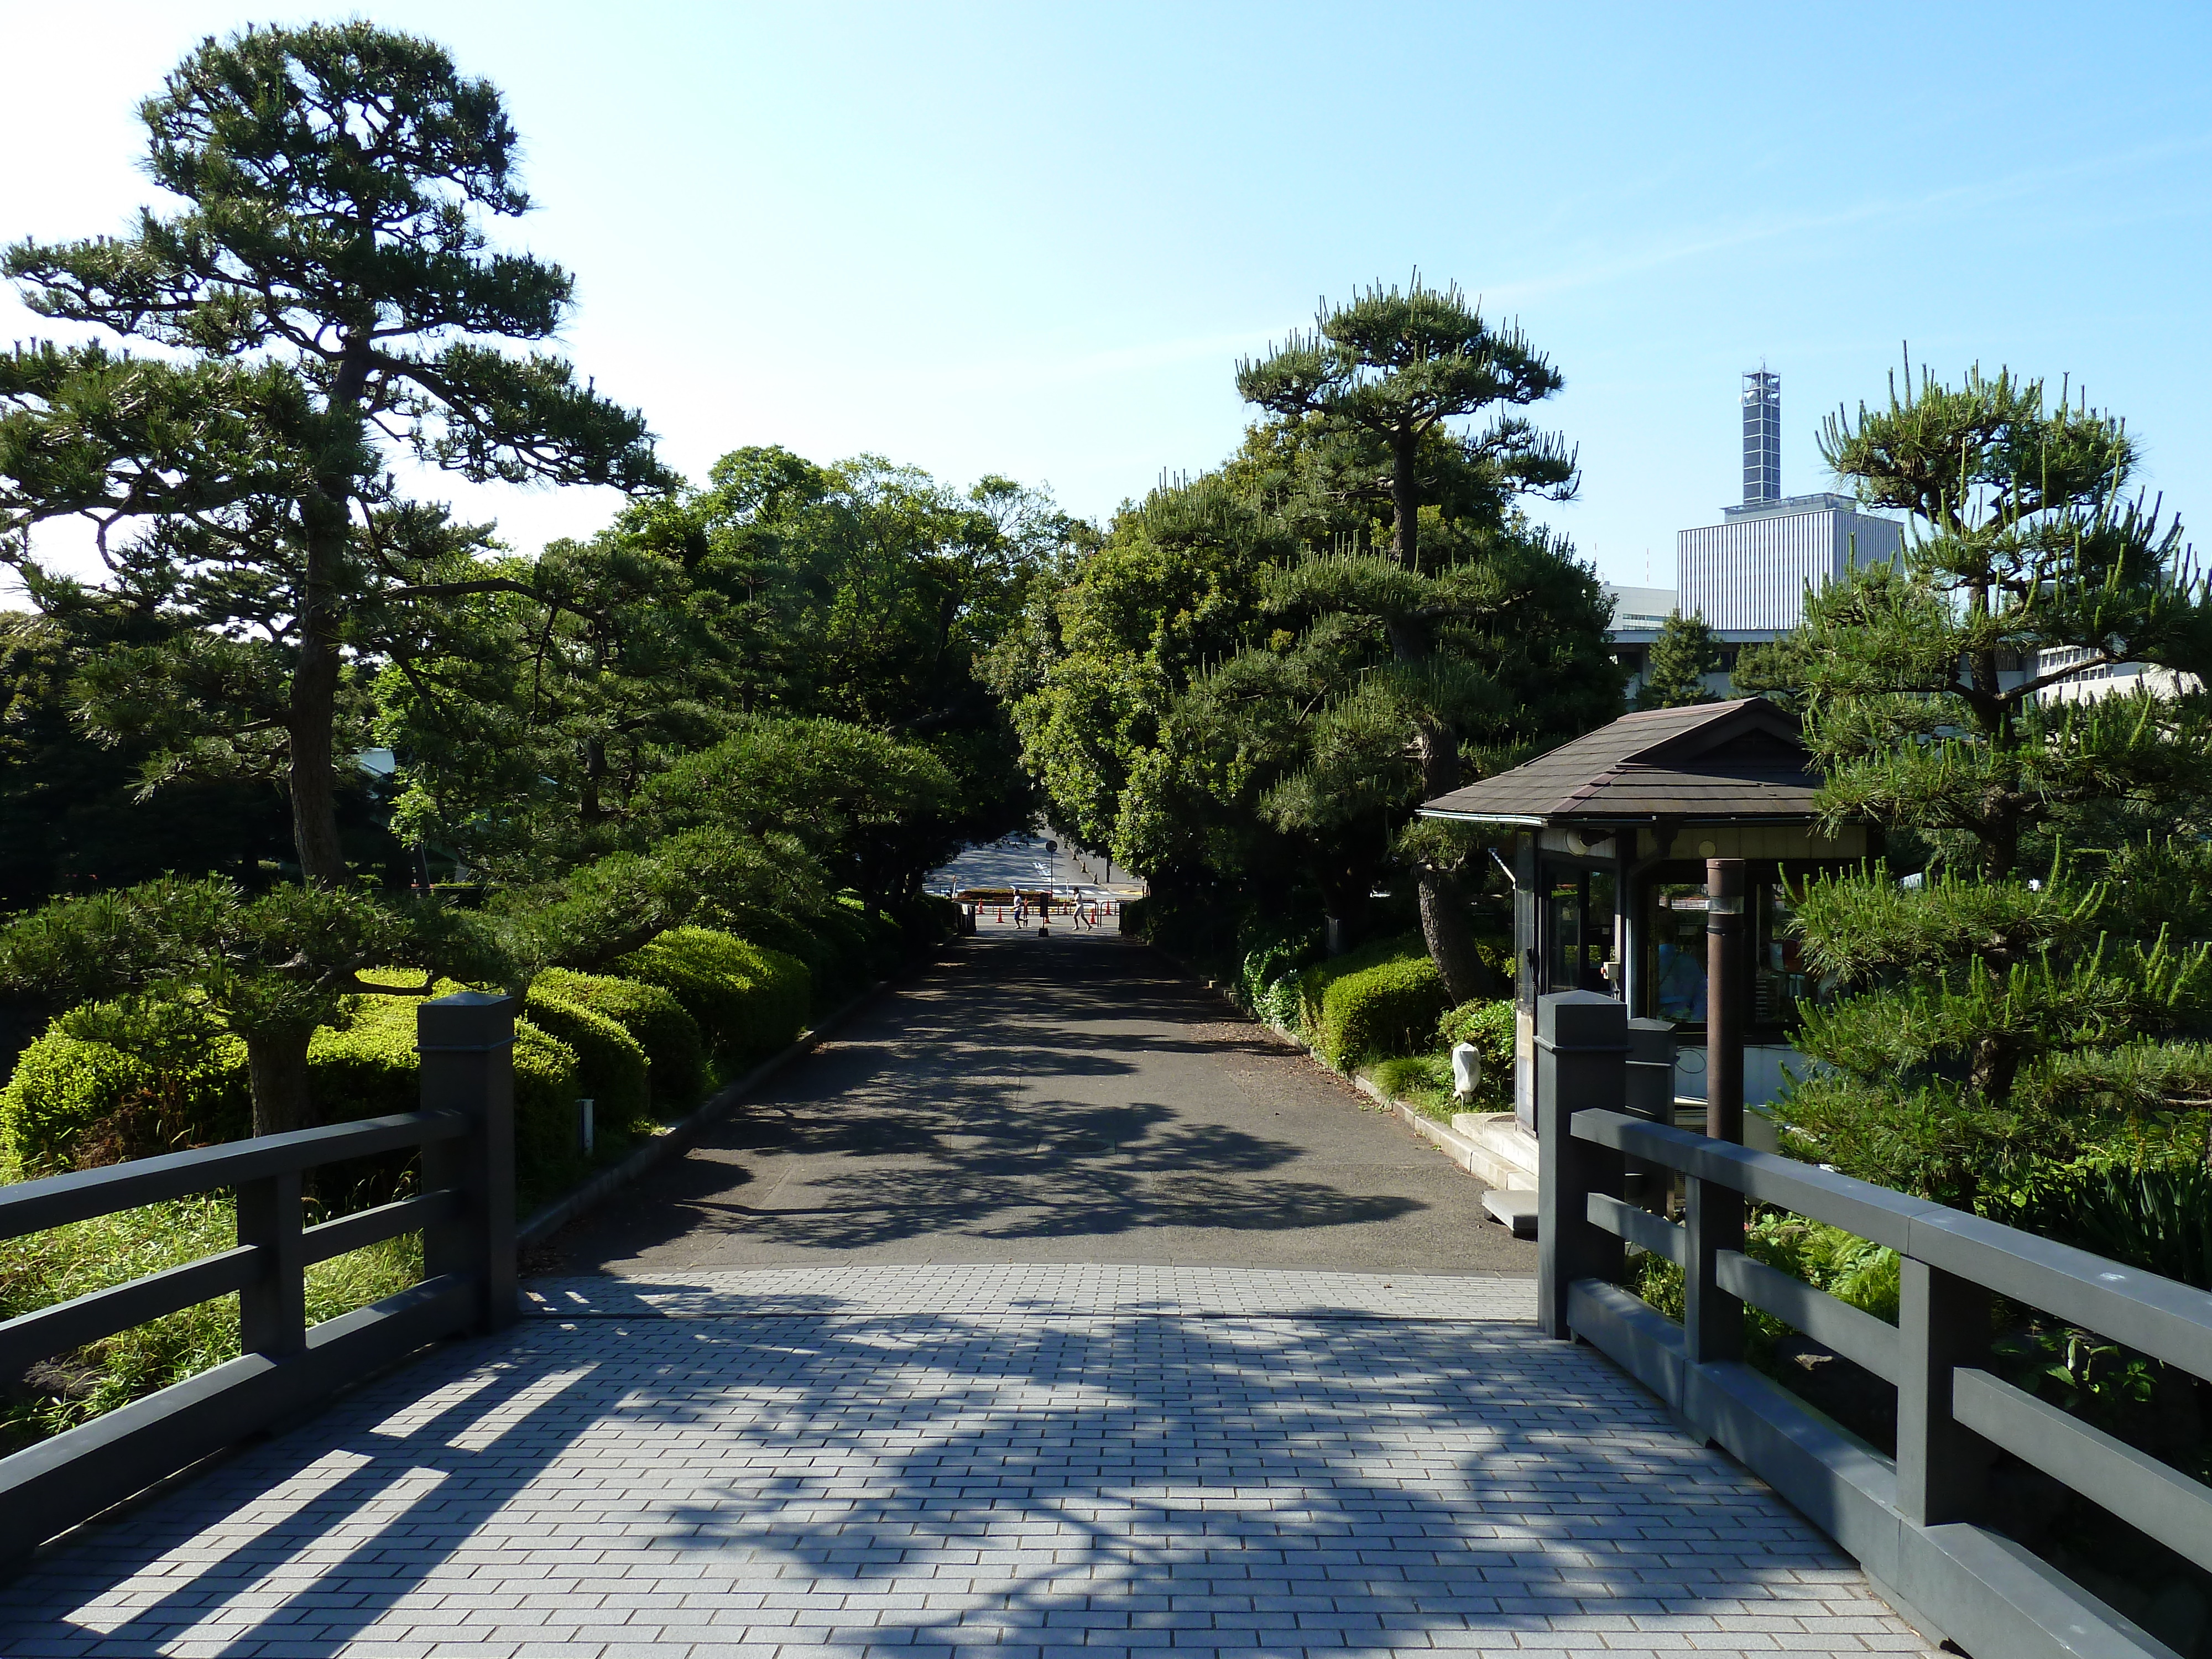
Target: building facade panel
(1751, 572)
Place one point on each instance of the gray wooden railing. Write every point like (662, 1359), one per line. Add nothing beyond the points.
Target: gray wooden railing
(465, 1212)
(1914, 1522)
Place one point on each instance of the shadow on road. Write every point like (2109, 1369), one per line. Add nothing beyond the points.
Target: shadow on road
(1255, 1475)
(1021, 1089)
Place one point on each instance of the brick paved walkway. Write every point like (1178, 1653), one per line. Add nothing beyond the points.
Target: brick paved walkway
(897, 1461)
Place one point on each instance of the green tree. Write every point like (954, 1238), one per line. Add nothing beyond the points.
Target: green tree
(69, 815)
(1464, 623)
(525, 740)
(876, 813)
(327, 291)
(272, 966)
(2043, 981)
(898, 590)
(1095, 670)
(1929, 685)
(1682, 655)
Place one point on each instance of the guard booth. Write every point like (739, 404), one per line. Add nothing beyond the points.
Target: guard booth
(1610, 834)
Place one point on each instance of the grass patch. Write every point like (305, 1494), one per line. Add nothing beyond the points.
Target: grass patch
(65, 1262)
(1424, 1082)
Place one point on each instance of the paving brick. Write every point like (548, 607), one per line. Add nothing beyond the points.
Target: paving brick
(908, 1462)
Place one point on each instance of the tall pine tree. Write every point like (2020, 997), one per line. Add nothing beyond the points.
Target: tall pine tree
(327, 291)
(1465, 635)
(1682, 655)
(2044, 981)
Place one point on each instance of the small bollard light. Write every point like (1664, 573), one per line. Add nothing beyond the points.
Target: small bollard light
(1466, 1069)
(584, 1127)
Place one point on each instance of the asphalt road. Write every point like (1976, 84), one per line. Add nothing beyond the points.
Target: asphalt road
(1069, 1099)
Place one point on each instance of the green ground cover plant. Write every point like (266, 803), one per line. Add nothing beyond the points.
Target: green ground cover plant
(1425, 1081)
(1276, 954)
(55, 1266)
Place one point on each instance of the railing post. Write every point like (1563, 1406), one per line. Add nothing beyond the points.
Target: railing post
(1582, 1051)
(467, 1044)
(272, 1312)
(1943, 1322)
(1712, 1320)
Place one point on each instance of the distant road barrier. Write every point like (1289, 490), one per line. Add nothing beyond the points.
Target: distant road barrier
(1914, 1522)
(465, 1212)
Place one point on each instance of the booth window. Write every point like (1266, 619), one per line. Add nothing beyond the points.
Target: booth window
(1674, 951)
(1578, 927)
(1675, 956)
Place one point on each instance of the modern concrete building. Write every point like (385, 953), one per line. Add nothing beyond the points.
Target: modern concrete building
(2105, 679)
(1747, 575)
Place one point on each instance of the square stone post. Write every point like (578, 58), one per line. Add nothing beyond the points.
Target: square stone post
(1582, 1054)
(467, 1045)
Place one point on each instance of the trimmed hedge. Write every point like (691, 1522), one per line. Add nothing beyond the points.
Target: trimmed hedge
(1380, 999)
(68, 1096)
(1488, 1025)
(675, 1054)
(882, 940)
(830, 964)
(366, 1068)
(610, 1063)
(748, 1001)
(71, 1103)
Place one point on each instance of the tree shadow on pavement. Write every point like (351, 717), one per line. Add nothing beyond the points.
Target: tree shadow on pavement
(1243, 1481)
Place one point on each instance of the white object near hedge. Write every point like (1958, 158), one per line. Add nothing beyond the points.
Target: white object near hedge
(1466, 1069)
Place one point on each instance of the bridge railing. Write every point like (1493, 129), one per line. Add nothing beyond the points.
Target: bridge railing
(465, 1212)
(1914, 1521)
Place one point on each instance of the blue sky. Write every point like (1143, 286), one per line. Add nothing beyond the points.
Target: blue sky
(1034, 239)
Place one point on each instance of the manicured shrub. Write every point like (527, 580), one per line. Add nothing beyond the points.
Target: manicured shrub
(675, 1053)
(1380, 999)
(832, 952)
(369, 1068)
(366, 1066)
(748, 1001)
(1488, 1025)
(883, 941)
(610, 1063)
(73, 1102)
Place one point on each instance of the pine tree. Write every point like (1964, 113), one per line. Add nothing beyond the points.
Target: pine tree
(326, 291)
(2043, 982)
(1410, 649)
(1682, 656)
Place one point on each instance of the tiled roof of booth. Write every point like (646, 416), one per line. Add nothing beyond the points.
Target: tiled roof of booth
(1727, 763)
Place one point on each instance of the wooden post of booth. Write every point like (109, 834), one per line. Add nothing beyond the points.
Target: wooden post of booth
(1725, 999)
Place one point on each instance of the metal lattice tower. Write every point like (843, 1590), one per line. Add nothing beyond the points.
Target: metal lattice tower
(1762, 437)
